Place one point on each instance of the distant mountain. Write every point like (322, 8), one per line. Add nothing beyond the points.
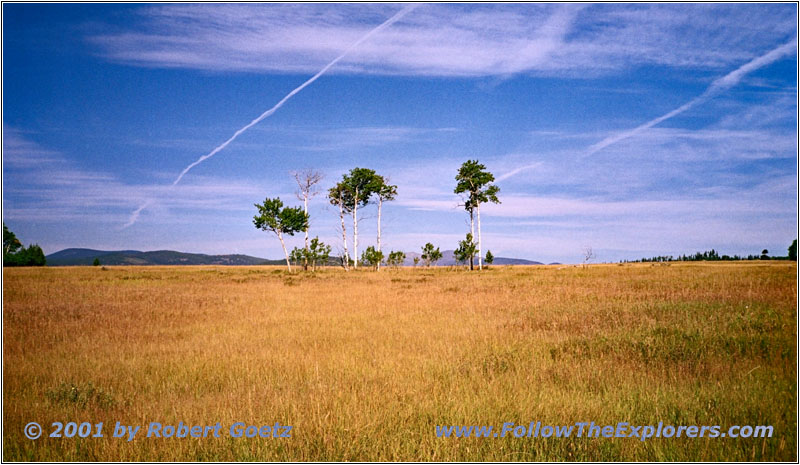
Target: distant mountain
(71, 257)
(78, 257)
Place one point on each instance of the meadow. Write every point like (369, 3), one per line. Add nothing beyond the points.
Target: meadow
(365, 364)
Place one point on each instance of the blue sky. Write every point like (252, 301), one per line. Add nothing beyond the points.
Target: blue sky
(635, 129)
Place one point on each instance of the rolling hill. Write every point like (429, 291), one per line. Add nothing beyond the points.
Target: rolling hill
(83, 257)
(71, 257)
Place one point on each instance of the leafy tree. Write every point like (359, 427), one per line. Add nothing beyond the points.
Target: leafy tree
(298, 256)
(336, 196)
(358, 186)
(764, 255)
(318, 252)
(30, 256)
(489, 257)
(430, 255)
(396, 258)
(96, 262)
(474, 181)
(416, 261)
(793, 250)
(385, 192)
(466, 250)
(10, 243)
(372, 257)
(273, 216)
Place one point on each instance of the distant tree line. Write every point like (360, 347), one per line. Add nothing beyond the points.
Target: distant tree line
(16, 255)
(356, 190)
(713, 255)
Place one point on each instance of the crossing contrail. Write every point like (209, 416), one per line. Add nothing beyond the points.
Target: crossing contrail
(135, 215)
(722, 84)
(718, 86)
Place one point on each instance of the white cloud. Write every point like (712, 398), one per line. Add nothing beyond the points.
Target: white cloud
(43, 185)
(447, 39)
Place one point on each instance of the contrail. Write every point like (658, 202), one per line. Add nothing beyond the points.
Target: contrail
(385, 24)
(517, 171)
(716, 87)
(135, 214)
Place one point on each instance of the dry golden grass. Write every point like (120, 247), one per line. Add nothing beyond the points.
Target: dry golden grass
(364, 364)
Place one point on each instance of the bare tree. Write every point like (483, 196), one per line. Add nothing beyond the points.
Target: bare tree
(588, 254)
(306, 183)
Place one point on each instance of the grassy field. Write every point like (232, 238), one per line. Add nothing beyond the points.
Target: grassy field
(364, 365)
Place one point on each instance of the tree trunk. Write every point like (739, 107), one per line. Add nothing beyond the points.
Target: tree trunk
(472, 231)
(480, 258)
(346, 257)
(355, 230)
(380, 203)
(285, 252)
(305, 209)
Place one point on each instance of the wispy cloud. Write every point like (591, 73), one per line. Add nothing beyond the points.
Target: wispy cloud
(45, 186)
(446, 39)
(345, 138)
(18, 152)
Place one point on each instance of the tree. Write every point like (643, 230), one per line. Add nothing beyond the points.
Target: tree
(764, 255)
(358, 187)
(588, 254)
(793, 250)
(36, 256)
(489, 257)
(273, 216)
(298, 255)
(466, 250)
(306, 182)
(474, 181)
(372, 257)
(96, 262)
(15, 255)
(336, 196)
(385, 192)
(396, 258)
(30, 256)
(318, 252)
(10, 243)
(430, 255)
(416, 261)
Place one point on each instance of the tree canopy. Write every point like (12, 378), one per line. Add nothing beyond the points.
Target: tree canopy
(473, 180)
(273, 216)
(358, 186)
